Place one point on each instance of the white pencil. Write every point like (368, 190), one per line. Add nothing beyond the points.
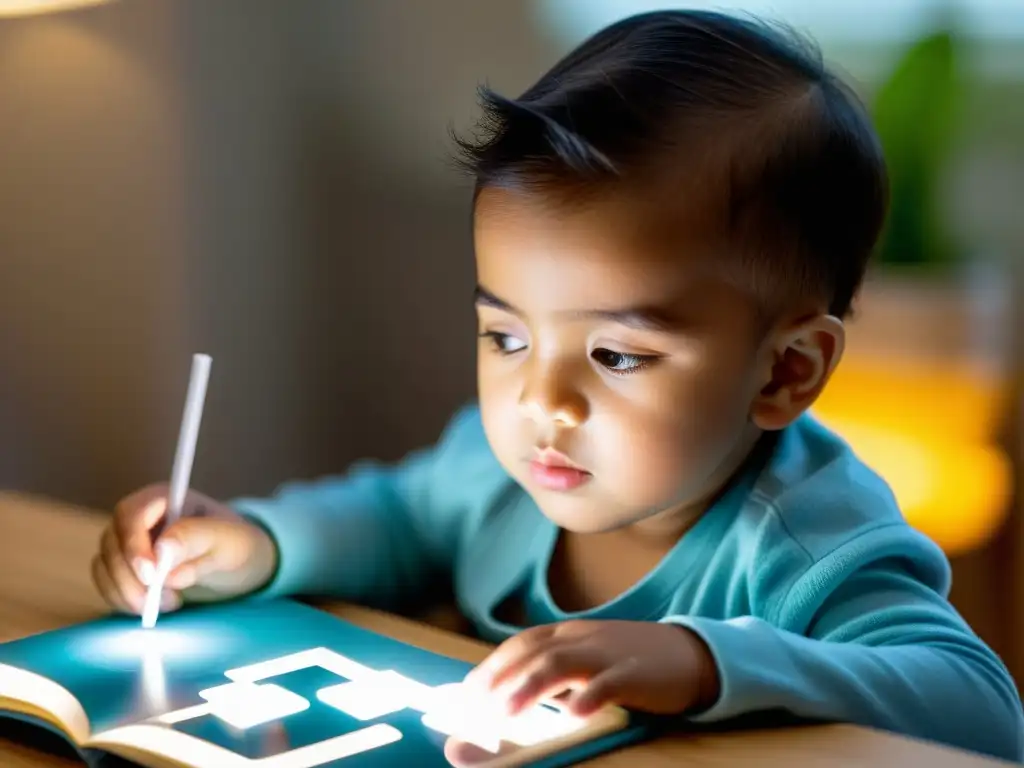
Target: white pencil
(181, 474)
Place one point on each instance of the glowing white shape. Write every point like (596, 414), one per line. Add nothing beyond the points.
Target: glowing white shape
(131, 643)
(154, 681)
(474, 719)
(183, 715)
(360, 702)
(350, 744)
(382, 694)
(540, 724)
(314, 657)
(245, 705)
(453, 710)
(457, 712)
(183, 748)
(475, 731)
(125, 648)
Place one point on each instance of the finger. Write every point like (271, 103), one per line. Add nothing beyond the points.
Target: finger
(190, 573)
(612, 685)
(134, 520)
(106, 587)
(465, 754)
(184, 576)
(201, 547)
(548, 673)
(170, 600)
(509, 656)
(123, 576)
(194, 573)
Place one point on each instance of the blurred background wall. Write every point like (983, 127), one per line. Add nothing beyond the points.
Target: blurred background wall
(268, 182)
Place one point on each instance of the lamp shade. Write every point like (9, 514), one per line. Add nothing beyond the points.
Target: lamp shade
(30, 7)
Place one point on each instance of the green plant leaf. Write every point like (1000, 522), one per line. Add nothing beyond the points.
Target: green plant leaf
(916, 115)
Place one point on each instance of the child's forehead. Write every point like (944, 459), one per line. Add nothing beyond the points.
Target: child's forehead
(603, 254)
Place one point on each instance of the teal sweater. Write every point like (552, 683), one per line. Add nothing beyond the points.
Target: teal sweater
(810, 589)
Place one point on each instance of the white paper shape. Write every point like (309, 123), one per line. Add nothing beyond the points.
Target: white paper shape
(382, 693)
(245, 705)
(366, 694)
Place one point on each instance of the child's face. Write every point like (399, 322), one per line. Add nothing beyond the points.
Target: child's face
(636, 362)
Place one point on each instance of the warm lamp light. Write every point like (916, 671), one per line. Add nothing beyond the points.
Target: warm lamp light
(30, 7)
(928, 433)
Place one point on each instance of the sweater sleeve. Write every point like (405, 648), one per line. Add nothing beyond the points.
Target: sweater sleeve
(883, 650)
(382, 535)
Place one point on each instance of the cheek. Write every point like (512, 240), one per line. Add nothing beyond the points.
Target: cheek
(680, 435)
(496, 382)
(651, 461)
(499, 407)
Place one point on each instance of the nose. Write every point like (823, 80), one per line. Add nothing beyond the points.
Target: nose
(550, 397)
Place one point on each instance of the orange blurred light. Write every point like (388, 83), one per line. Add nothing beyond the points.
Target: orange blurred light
(928, 430)
(29, 7)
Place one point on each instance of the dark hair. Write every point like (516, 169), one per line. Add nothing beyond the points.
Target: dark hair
(747, 108)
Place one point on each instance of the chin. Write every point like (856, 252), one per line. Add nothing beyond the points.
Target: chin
(579, 514)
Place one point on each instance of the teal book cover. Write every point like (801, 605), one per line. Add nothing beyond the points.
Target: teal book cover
(275, 684)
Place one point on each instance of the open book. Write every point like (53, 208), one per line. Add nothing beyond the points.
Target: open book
(275, 684)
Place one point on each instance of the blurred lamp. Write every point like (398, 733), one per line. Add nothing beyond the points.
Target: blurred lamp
(929, 432)
(29, 7)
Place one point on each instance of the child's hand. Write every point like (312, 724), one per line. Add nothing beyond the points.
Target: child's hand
(217, 554)
(658, 668)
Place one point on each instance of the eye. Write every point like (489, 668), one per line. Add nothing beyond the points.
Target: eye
(504, 343)
(622, 362)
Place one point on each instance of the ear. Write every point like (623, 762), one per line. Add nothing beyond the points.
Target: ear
(800, 360)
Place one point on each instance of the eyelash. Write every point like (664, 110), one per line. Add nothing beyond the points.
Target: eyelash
(601, 356)
(497, 338)
(639, 362)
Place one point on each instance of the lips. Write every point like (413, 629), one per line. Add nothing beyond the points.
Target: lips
(556, 472)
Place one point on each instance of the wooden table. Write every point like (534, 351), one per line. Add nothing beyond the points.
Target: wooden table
(45, 549)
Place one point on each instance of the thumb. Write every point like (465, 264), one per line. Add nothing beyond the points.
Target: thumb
(134, 522)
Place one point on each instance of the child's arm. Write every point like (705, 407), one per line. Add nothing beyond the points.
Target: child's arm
(883, 650)
(382, 535)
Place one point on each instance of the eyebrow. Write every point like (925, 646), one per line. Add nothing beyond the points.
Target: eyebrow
(643, 318)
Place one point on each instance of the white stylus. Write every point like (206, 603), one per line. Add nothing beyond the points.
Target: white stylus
(180, 475)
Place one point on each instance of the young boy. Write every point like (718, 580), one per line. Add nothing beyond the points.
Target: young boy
(670, 227)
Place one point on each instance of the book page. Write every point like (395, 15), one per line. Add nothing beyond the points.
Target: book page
(97, 675)
(32, 694)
